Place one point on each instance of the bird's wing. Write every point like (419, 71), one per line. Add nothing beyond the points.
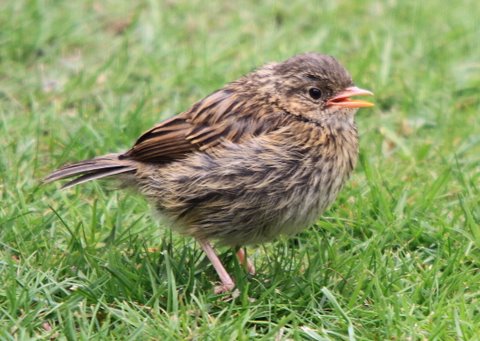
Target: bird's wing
(222, 116)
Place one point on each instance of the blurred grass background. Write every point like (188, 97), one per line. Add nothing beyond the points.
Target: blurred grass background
(396, 257)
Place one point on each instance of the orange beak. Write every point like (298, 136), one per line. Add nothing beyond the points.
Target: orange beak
(342, 99)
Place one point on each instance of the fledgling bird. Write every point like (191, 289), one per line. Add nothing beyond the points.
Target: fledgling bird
(263, 156)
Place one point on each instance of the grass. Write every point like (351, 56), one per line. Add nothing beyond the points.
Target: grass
(396, 257)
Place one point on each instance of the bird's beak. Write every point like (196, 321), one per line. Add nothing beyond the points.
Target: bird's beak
(343, 99)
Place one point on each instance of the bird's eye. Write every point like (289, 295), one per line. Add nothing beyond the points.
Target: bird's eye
(315, 93)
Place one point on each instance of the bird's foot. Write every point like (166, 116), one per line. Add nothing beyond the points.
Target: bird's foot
(227, 282)
(250, 267)
(243, 259)
(223, 288)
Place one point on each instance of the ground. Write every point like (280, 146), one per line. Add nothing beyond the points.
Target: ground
(396, 257)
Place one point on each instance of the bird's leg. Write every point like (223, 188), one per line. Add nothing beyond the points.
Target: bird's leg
(227, 282)
(243, 259)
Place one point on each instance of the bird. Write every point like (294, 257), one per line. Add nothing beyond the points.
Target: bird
(261, 157)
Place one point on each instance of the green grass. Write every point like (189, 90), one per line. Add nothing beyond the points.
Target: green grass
(398, 255)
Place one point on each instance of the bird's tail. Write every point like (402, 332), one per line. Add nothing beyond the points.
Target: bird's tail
(97, 168)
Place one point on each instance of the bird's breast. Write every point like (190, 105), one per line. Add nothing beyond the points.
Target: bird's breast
(319, 177)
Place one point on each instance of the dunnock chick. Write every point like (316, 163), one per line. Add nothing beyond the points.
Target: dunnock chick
(263, 156)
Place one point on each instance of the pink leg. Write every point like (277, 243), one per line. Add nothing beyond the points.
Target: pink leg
(227, 282)
(242, 258)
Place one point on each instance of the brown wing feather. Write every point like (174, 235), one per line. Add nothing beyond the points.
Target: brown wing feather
(221, 116)
(162, 143)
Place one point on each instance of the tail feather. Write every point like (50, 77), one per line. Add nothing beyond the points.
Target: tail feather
(97, 168)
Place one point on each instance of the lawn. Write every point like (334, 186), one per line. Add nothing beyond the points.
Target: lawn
(396, 257)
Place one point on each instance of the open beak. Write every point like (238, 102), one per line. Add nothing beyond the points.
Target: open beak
(343, 99)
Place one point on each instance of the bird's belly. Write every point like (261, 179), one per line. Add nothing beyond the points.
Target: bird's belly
(306, 206)
(242, 199)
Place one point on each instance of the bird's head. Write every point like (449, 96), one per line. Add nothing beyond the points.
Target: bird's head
(313, 86)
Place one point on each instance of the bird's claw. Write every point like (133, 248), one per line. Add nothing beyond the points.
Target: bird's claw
(223, 288)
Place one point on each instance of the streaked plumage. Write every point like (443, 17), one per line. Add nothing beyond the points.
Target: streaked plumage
(260, 157)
